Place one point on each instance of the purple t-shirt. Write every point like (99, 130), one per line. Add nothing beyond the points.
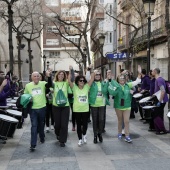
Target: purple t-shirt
(161, 82)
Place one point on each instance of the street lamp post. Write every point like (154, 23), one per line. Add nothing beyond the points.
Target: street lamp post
(149, 6)
(44, 60)
(101, 42)
(48, 63)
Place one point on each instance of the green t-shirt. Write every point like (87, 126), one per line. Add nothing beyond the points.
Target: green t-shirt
(38, 94)
(60, 85)
(81, 103)
(100, 99)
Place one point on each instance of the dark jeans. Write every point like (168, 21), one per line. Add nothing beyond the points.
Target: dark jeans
(104, 122)
(98, 119)
(82, 122)
(73, 119)
(37, 117)
(49, 115)
(61, 118)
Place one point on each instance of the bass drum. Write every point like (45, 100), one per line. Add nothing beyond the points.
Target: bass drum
(7, 126)
(148, 111)
(16, 114)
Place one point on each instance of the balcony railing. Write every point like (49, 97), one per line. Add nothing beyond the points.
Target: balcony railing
(157, 30)
(124, 43)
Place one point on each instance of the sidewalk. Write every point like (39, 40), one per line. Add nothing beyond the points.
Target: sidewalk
(148, 151)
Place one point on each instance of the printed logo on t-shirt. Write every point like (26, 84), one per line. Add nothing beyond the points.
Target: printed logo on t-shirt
(36, 91)
(82, 99)
(99, 94)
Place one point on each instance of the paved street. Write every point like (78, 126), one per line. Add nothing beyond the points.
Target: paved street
(148, 151)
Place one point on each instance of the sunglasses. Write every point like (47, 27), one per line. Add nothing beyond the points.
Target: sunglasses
(81, 80)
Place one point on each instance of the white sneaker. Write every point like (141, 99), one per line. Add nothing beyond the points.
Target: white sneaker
(47, 129)
(84, 138)
(80, 142)
(52, 127)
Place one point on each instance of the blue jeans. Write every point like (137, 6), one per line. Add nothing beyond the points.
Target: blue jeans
(37, 117)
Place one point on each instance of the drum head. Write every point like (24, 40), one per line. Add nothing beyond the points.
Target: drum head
(9, 99)
(144, 99)
(137, 95)
(148, 107)
(12, 101)
(168, 115)
(8, 118)
(15, 98)
(4, 107)
(14, 112)
(11, 104)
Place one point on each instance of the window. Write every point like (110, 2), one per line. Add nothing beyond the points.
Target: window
(71, 38)
(52, 29)
(101, 1)
(110, 37)
(52, 42)
(51, 2)
(53, 54)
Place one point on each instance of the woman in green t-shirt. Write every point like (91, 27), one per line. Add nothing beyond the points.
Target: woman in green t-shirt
(81, 104)
(60, 113)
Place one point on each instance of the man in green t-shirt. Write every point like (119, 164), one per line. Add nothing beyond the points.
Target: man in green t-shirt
(37, 114)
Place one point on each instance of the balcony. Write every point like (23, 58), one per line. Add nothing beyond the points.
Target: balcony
(125, 4)
(157, 31)
(100, 62)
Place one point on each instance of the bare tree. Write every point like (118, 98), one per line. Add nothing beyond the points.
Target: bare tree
(9, 17)
(29, 24)
(80, 26)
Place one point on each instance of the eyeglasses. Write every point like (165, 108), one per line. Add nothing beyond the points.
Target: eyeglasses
(81, 80)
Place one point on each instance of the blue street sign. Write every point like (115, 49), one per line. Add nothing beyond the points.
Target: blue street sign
(116, 56)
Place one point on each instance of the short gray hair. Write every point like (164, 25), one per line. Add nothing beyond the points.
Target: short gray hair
(157, 70)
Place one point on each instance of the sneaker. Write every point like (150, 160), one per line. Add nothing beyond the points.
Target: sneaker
(73, 129)
(42, 140)
(52, 127)
(123, 132)
(32, 148)
(80, 142)
(84, 139)
(47, 129)
(119, 136)
(62, 144)
(127, 139)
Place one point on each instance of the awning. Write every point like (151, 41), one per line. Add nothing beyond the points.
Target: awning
(116, 56)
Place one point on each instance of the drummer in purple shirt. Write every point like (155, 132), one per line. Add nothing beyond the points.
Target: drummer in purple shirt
(159, 111)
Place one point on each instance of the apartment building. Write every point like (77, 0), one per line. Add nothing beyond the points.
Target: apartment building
(57, 49)
(107, 26)
(132, 12)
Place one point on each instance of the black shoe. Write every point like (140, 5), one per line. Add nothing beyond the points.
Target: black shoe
(32, 148)
(100, 138)
(58, 137)
(104, 131)
(141, 119)
(151, 130)
(95, 139)
(62, 144)
(42, 140)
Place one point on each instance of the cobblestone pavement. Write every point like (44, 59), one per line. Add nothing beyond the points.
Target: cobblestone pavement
(148, 151)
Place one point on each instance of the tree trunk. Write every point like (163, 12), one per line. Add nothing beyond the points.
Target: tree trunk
(10, 24)
(19, 56)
